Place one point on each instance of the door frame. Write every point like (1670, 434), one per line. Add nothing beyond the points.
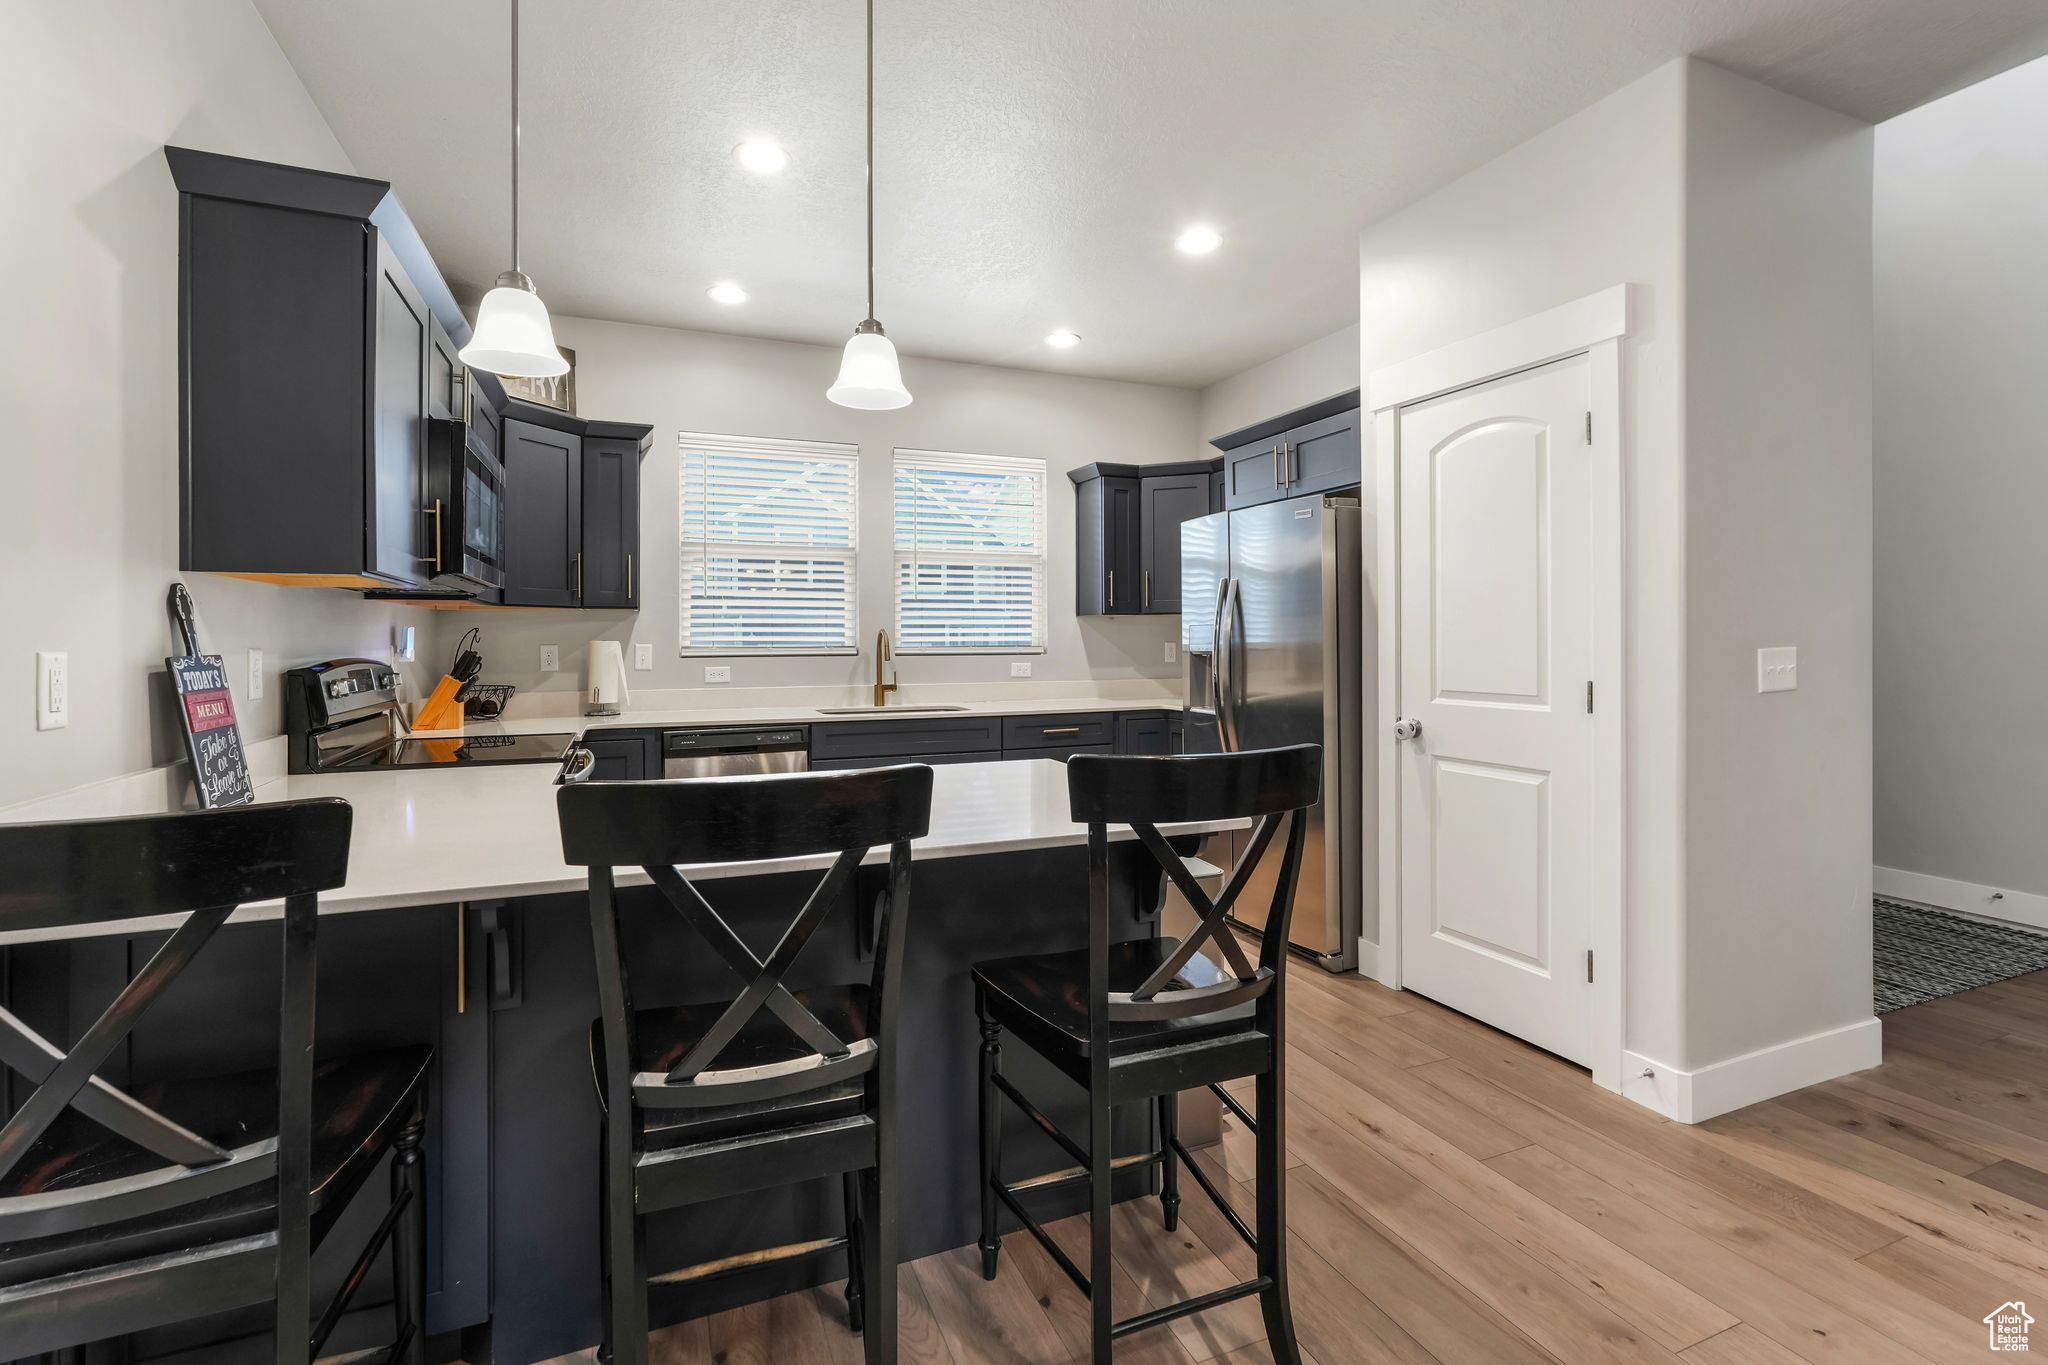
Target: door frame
(1593, 326)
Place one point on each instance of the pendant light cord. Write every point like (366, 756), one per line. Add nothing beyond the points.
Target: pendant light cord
(871, 158)
(515, 135)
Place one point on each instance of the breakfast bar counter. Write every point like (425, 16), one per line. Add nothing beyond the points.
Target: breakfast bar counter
(460, 925)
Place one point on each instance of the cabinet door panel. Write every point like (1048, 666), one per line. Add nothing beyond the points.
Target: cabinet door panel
(444, 373)
(1323, 455)
(398, 520)
(1144, 735)
(611, 523)
(1167, 501)
(886, 760)
(1108, 577)
(543, 515)
(1251, 474)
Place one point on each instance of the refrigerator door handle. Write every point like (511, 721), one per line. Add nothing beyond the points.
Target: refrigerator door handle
(1229, 679)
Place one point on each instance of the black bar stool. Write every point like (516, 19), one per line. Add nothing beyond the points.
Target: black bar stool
(122, 1210)
(1148, 1019)
(768, 1088)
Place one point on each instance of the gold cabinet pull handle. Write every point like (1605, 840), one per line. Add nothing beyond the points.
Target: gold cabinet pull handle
(435, 558)
(1148, 590)
(1059, 730)
(579, 575)
(1112, 587)
(461, 959)
(629, 578)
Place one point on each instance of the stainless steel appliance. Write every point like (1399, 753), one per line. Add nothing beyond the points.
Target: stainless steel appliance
(728, 750)
(343, 716)
(466, 485)
(1270, 639)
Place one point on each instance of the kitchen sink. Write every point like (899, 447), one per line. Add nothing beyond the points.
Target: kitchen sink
(883, 710)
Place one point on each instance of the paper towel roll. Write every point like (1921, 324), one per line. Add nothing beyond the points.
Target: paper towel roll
(605, 687)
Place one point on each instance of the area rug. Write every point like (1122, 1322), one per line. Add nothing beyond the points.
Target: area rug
(1924, 954)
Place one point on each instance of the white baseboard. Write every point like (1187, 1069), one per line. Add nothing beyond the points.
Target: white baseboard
(1368, 959)
(1987, 902)
(1695, 1096)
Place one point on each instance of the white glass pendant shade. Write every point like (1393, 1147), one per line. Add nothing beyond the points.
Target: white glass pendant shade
(513, 335)
(869, 376)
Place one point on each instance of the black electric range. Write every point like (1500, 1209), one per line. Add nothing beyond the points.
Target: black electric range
(343, 716)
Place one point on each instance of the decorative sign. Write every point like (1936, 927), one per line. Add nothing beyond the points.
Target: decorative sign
(219, 767)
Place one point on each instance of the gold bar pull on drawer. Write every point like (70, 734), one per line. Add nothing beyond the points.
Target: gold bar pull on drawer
(1060, 730)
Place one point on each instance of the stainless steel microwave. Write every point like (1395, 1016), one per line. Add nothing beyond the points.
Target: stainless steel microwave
(468, 482)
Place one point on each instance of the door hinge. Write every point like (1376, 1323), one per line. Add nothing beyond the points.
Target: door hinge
(1589, 428)
(1589, 966)
(1589, 698)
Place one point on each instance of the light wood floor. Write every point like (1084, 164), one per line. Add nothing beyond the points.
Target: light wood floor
(1457, 1197)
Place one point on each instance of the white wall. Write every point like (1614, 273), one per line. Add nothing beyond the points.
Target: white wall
(1324, 366)
(1593, 202)
(90, 93)
(1962, 481)
(1778, 552)
(1693, 182)
(699, 381)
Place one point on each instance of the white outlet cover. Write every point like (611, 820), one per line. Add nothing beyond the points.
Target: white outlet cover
(718, 673)
(1021, 669)
(255, 675)
(53, 690)
(1777, 669)
(550, 658)
(643, 657)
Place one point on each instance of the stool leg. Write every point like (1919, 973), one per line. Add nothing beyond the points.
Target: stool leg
(69, 1355)
(1100, 1150)
(604, 1250)
(856, 1288)
(879, 1245)
(409, 1237)
(991, 1139)
(625, 1252)
(1169, 1166)
(1270, 1175)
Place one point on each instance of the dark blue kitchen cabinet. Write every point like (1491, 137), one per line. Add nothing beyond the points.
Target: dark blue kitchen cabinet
(1127, 521)
(1316, 449)
(624, 755)
(543, 515)
(1144, 733)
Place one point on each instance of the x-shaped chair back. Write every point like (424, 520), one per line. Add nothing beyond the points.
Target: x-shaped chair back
(75, 874)
(659, 826)
(1264, 785)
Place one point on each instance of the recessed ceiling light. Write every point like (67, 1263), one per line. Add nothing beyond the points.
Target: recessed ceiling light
(727, 292)
(1198, 240)
(761, 155)
(1063, 339)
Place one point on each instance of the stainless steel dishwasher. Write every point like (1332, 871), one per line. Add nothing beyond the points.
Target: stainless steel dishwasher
(724, 751)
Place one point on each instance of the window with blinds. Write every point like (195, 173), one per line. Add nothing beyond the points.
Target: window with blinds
(769, 534)
(970, 553)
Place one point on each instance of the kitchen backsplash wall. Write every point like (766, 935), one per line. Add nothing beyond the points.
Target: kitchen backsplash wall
(89, 522)
(697, 381)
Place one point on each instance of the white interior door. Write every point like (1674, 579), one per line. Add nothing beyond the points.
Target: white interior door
(1496, 651)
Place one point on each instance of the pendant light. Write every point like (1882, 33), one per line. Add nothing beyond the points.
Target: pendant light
(513, 335)
(868, 374)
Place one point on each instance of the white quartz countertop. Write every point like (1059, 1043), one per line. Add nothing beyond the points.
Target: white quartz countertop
(433, 836)
(790, 714)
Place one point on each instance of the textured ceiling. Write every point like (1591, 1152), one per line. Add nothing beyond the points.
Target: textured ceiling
(1034, 160)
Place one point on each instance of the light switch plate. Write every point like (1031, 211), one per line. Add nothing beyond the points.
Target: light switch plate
(643, 657)
(718, 673)
(1172, 652)
(550, 658)
(53, 690)
(1021, 668)
(1777, 669)
(255, 675)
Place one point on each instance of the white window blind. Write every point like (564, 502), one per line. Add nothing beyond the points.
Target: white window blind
(970, 553)
(769, 534)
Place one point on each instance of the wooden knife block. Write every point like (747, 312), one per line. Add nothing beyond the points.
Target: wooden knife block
(441, 711)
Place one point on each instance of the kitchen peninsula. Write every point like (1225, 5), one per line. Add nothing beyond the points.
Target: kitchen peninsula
(460, 925)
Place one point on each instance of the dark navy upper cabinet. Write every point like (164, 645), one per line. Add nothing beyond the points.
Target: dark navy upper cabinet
(611, 522)
(399, 524)
(1127, 521)
(543, 516)
(1316, 449)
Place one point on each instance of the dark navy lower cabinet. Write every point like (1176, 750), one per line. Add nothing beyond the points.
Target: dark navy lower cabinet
(1145, 733)
(885, 760)
(908, 740)
(1022, 734)
(624, 755)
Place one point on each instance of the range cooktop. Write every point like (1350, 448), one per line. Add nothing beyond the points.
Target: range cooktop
(427, 752)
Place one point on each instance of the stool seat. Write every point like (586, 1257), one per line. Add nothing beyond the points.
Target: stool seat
(1044, 997)
(662, 1035)
(360, 1102)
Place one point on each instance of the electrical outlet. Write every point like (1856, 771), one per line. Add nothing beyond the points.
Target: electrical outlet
(53, 690)
(1172, 652)
(1777, 669)
(718, 673)
(255, 675)
(643, 657)
(1021, 668)
(550, 658)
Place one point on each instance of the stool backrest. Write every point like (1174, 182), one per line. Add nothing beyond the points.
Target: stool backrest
(73, 875)
(1264, 785)
(695, 821)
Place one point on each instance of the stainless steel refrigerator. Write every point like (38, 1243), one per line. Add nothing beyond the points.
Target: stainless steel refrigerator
(1270, 639)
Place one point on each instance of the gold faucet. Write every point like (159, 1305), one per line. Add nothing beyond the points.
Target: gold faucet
(883, 654)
